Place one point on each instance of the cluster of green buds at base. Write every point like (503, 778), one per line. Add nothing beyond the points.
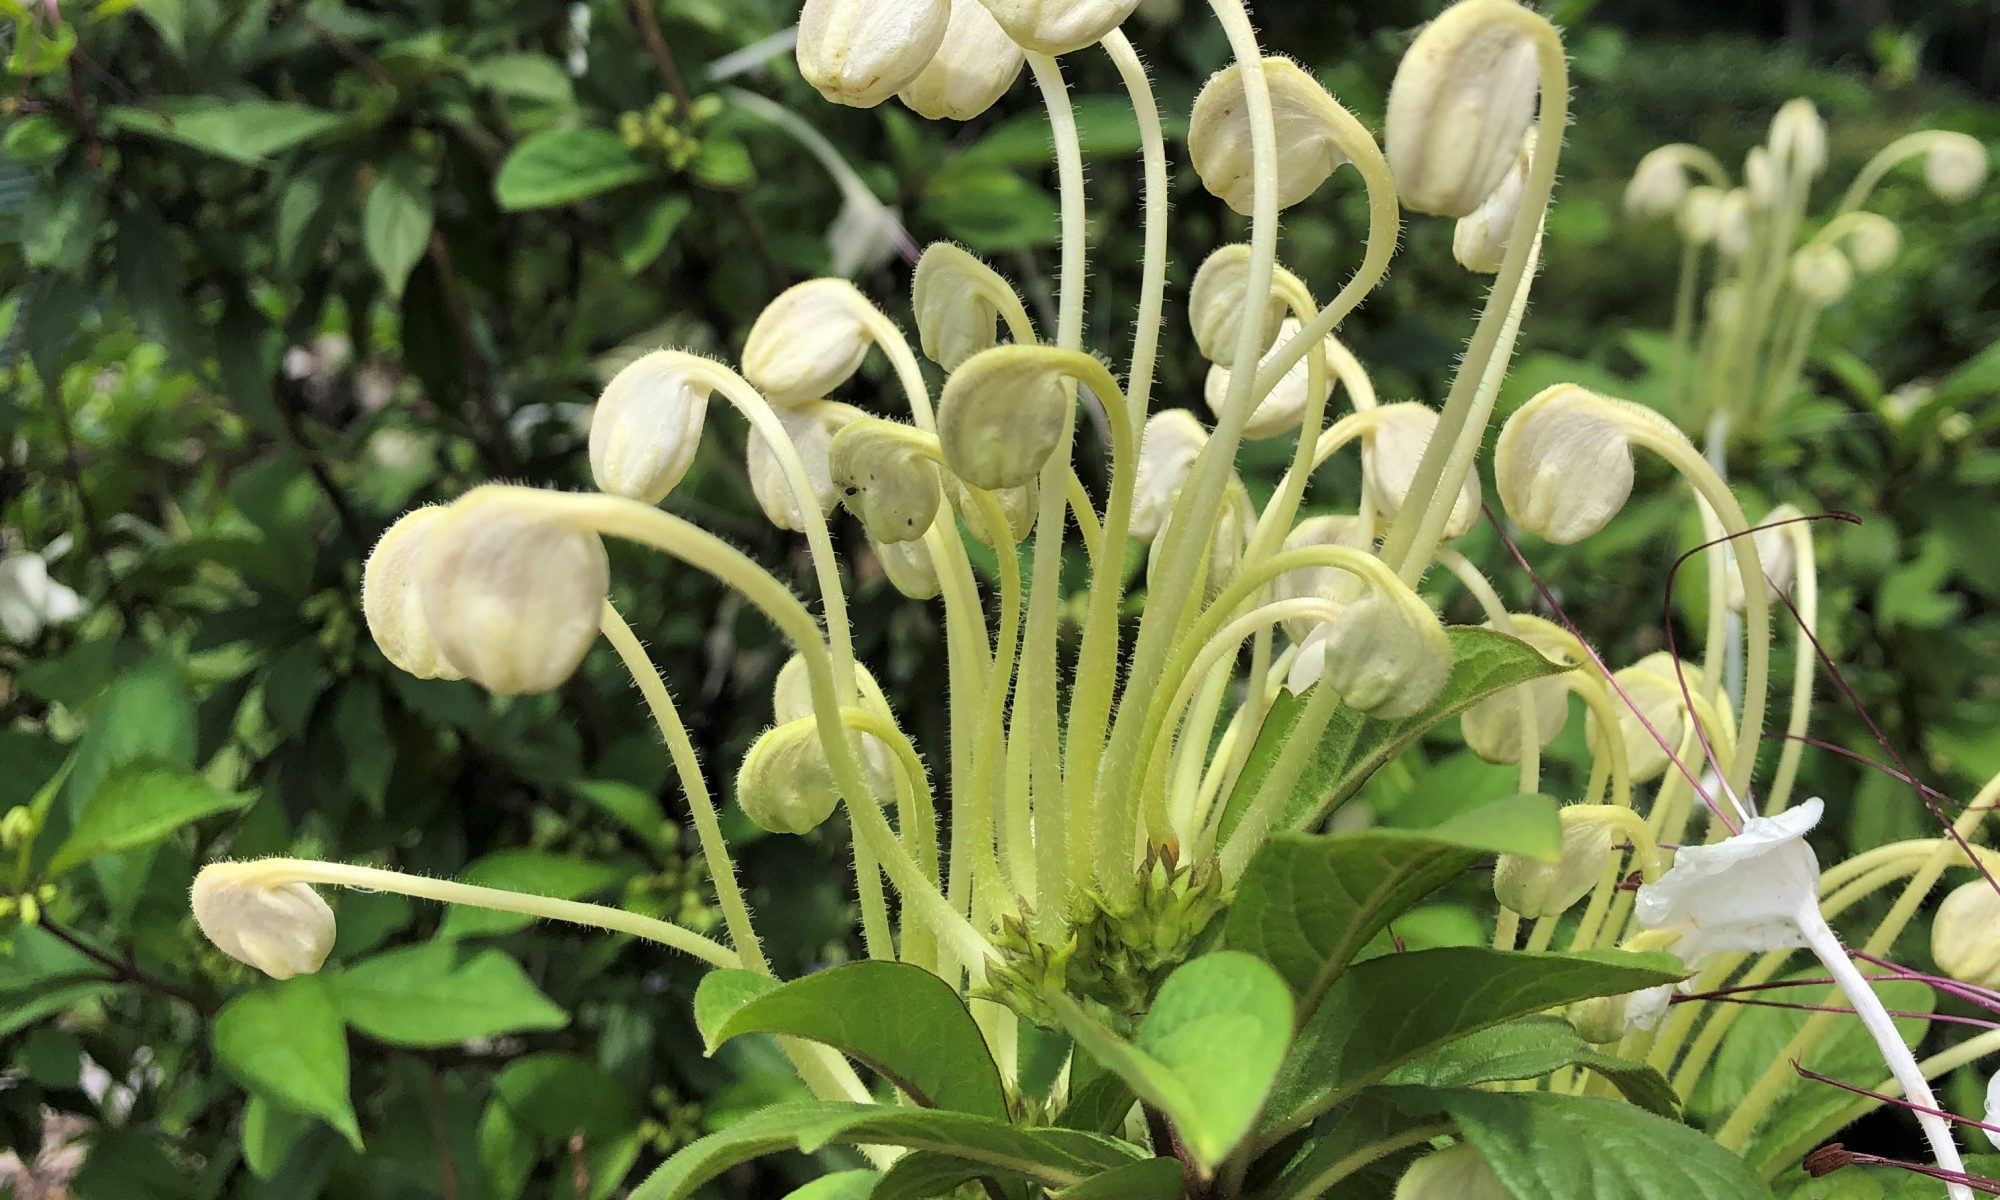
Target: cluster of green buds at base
(663, 130)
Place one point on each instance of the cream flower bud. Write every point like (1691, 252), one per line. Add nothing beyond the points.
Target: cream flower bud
(1460, 104)
(1002, 415)
(1563, 467)
(791, 700)
(1821, 274)
(808, 341)
(1308, 135)
(1390, 452)
(282, 929)
(1536, 889)
(512, 596)
(1658, 185)
(1386, 654)
(1225, 547)
(786, 784)
(884, 481)
(1701, 214)
(1219, 300)
(1872, 241)
(1479, 242)
(392, 601)
(1019, 505)
(1059, 26)
(955, 319)
(811, 427)
(909, 568)
(1798, 137)
(1454, 1173)
(1955, 166)
(1777, 551)
(860, 52)
(1654, 687)
(974, 66)
(1965, 934)
(1330, 584)
(1732, 223)
(1758, 181)
(1492, 727)
(647, 426)
(1283, 405)
(1172, 440)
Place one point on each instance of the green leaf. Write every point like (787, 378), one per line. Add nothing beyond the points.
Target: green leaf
(990, 208)
(721, 994)
(1208, 1051)
(1340, 1144)
(269, 1135)
(1355, 746)
(137, 805)
(558, 166)
(242, 131)
(1394, 1009)
(923, 1175)
(396, 223)
(557, 1095)
(535, 872)
(1530, 1049)
(642, 236)
(723, 161)
(1307, 905)
(533, 77)
(35, 140)
(284, 1042)
(424, 996)
(841, 1185)
(1152, 1179)
(1052, 1157)
(899, 1019)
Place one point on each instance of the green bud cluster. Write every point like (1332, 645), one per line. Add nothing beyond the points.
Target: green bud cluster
(662, 130)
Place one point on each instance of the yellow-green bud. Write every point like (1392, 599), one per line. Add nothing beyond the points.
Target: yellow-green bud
(1018, 505)
(1226, 543)
(392, 602)
(860, 52)
(1454, 1173)
(1283, 406)
(1759, 185)
(647, 426)
(1536, 889)
(1798, 137)
(1700, 214)
(1059, 26)
(1219, 301)
(1460, 104)
(1777, 552)
(811, 426)
(282, 929)
(949, 294)
(1002, 415)
(1965, 935)
(884, 481)
(1564, 468)
(974, 66)
(1652, 685)
(1872, 241)
(1308, 127)
(786, 784)
(808, 341)
(1732, 223)
(791, 700)
(1391, 449)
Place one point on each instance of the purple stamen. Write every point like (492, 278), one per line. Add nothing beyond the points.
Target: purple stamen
(1898, 1101)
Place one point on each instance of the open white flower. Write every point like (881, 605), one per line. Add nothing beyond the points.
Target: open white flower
(1993, 1108)
(1750, 891)
(30, 601)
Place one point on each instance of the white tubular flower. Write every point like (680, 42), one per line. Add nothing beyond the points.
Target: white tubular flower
(1955, 166)
(1018, 505)
(1536, 889)
(1456, 1172)
(1386, 653)
(282, 929)
(811, 426)
(1331, 584)
(860, 52)
(1390, 452)
(1798, 137)
(1965, 935)
(1172, 440)
(974, 66)
(1460, 104)
(949, 294)
(1563, 468)
(883, 481)
(1001, 416)
(646, 427)
(909, 568)
(1777, 550)
(1219, 301)
(1747, 892)
(512, 597)
(1308, 135)
(1658, 186)
(1820, 273)
(1872, 241)
(30, 600)
(1059, 26)
(1283, 405)
(1732, 223)
(1479, 242)
(1492, 727)
(786, 784)
(1700, 214)
(1225, 548)
(1652, 685)
(808, 341)
(392, 602)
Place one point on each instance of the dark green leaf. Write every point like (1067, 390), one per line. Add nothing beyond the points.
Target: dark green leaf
(642, 235)
(990, 208)
(243, 131)
(535, 77)
(559, 1095)
(424, 996)
(1152, 1179)
(137, 805)
(284, 1042)
(841, 1185)
(563, 165)
(1529, 1049)
(923, 1175)
(396, 223)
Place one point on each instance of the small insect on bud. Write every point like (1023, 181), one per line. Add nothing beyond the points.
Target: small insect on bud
(1820, 274)
(1777, 550)
(1955, 166)
(1002, 414)
(1872, 241)
(1059, 26)
(1536, 889)
(1220, 300)
(1453, 1173)
(786, 784)
(811, 427)
(950, 294)
(1564, 468)
(1386, 653)
(282, 929)
(1479, 242)
(1492, 727)
(1308, 122)
(1330, 584)
(512, 596)
(1798, 138)
(1653, 686)
(1390, 451)
(860, 52)
(1965, 934)
(647, 426)
(1172, 440)
(909, 568)
(1283, 405)
(1700, 214)
(1460, 104)
(884, 481)
(1225, 545)
(808, 341)
(392, 602)
(1658, 185)
(1019, 506)
(974, 66)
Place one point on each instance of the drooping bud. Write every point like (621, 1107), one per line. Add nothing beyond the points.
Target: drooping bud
(1798, 137)
(860, 52)
(1492, 727)
(791, 700)
(1172, 440)
(647, 426)
(1018, 505)
(1225, 547)
(282, 929)
(955, 320)
(811, 427)
(1820, 274)
(1283, 405)
(884, 481)
(1563, 467)
(1732, 223)
(1655, 689)
(1460, 104)
(392, 601)
(1002, 414)
(1701, 214)
(1390, 452)
(1537, 889)
(1456, 1172)
(1308, 135)
(974, 66)
(909, 568)
(1658, 185)
(1059, 26)
(1330, 584)
(786, 784)
(1760, 186)
(1777, 551)
(512, 596)
(807, 342)
(1219, 300)
(1479, 242)
(1872, 241)
(1955, 166)
(1965, 934)
(1386, 653)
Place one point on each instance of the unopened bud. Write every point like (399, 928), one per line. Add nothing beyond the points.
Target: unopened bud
(1536, 889)
(1390, 452)
(392, 602)
(1059, 26)
(1798, 137)
(1732, 223)
(1281, 407)
(1700, 214)
(1955, 166)
(1760, 186)
(1602, 1020)
(808, 341)
(1454, 1173)
(786, 784)
(1219, 301)
(884, 481)
(513, 597)
(909, 568)
(1308, 127)
(1172, 440)
(282, 929)
(1331, 584)
(1654, 686)
(1226, 542)
(1564, 468)
(811, 427)
(1002, 414)
(1820, 274)
(1460, 104)
(1479, 242)
(955, 319)
(1872, 241)
(1386, 653)
(1492, 726)
(791, 700)
(1965, 934)
(974, 66)
(1018, 506)
(1658, 186)
(1777, 553)
(860, 52)
(647, 426)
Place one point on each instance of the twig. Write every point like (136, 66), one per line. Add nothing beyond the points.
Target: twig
(491, 427)
(351, 525)
(447, 1169)
(127, 971)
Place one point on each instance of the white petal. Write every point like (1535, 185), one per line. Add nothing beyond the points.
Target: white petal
(1743, 893)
